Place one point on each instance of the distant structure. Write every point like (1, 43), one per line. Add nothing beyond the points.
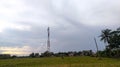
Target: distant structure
(48, 41)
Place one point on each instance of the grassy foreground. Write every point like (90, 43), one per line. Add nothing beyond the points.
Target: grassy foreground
(58, 62)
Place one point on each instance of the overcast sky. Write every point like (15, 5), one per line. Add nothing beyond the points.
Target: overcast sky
(73, 24)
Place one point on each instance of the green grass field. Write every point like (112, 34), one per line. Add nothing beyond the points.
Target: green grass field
(58, 62)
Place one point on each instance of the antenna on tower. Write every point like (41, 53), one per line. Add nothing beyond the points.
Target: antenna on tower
(48, 41)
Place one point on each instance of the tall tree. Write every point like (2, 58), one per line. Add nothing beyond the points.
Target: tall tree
(112, 38)
(115, 39)
(105, 35)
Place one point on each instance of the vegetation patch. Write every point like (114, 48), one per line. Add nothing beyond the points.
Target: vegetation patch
(83, 61)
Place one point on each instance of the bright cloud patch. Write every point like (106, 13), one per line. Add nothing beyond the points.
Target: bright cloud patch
(16, 50)
(25, 50)
(4, 25)
(10, 8)
(20, 27)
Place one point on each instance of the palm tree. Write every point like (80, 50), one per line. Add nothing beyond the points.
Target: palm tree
(105, 36)
(112, 38)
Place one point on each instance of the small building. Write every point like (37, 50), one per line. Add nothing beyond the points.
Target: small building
(71, 54)
(87, 52)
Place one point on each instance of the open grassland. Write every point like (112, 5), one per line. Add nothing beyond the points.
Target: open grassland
(58, 62)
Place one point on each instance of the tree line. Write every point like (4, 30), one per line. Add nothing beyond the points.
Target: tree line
(111, 39)
(51, 54)
(62, 54)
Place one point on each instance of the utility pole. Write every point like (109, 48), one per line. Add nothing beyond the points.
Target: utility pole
(96, 45)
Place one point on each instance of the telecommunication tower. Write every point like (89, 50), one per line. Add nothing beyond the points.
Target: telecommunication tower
(48, 40)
